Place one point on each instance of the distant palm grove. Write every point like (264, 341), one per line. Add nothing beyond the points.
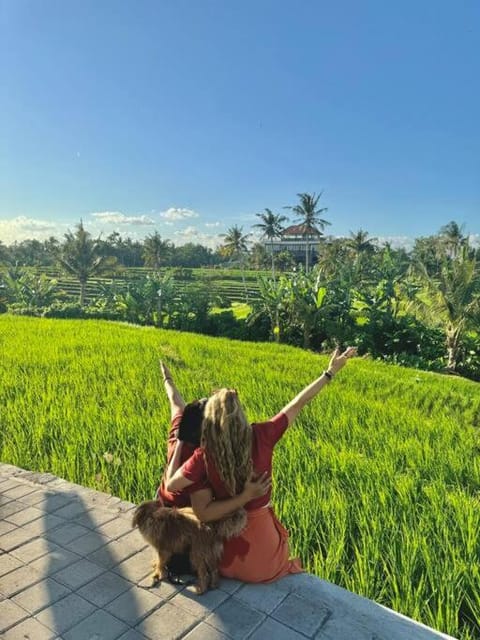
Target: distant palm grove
(419, 308)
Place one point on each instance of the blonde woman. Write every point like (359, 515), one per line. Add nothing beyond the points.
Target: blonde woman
(231, 450)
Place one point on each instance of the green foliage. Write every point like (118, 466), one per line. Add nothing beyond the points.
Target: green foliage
(378, 480)
(81, 256)
(27, 289)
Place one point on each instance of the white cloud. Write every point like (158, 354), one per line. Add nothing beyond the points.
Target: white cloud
(117, 217)
(212, 224)
(397, 242)
(175, 213)
(24, 228)
(192, 234)
(188, 231)
(474, 239)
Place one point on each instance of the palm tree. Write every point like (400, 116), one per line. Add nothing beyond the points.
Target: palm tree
(309, 217)
(81, 257)
(4, 254)
(235, 245)
(452, 237)
(360, 243)
(156, 251)
(454, 298)
(271, 227)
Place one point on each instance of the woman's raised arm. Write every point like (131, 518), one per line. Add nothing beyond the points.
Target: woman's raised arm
(177, 403)
(337, 361)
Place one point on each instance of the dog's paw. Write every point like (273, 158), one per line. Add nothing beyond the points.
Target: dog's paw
(155, 579)
(200, 589)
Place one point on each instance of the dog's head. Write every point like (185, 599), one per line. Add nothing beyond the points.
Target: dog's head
(144, 512)
(190, 427)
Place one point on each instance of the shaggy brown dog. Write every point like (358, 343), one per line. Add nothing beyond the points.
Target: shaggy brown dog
(172, 530)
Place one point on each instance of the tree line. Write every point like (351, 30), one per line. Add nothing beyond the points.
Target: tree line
(418, 307)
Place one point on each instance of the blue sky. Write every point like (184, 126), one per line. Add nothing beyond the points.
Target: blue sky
(188, 116)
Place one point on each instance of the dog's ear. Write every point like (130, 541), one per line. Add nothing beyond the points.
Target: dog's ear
(143, 512)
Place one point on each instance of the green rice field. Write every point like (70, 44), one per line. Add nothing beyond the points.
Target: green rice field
(378, 480)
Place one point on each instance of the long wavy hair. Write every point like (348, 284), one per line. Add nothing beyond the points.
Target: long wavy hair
(227, 439)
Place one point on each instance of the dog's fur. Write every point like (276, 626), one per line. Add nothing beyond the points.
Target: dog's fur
(172, 530)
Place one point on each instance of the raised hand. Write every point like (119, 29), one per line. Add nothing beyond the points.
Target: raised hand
(338, 360)
(165, 371)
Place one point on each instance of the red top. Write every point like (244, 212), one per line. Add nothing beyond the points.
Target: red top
(264, 438)
(177, 498)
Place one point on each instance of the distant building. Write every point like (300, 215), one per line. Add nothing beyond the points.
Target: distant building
(294, 239)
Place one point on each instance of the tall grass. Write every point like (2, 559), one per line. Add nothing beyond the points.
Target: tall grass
(378, 480)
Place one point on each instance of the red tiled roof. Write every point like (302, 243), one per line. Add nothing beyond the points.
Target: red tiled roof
(300, 229)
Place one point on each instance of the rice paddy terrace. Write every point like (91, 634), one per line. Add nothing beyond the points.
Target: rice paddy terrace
(224, 283)
(378, 480)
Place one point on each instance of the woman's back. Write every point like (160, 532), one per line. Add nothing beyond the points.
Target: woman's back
(202, 466)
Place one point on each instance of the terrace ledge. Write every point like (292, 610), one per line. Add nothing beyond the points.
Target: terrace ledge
(72, 568)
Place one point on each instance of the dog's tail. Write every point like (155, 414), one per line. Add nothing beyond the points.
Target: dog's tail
(231, 526)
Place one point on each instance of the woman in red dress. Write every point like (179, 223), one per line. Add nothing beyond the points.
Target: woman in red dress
(231, 451)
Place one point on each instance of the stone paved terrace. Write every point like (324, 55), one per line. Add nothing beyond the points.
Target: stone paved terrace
(72, 568)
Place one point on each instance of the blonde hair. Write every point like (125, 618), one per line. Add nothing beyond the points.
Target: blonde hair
(227, 439)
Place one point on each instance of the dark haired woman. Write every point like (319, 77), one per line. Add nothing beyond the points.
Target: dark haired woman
(183, 439)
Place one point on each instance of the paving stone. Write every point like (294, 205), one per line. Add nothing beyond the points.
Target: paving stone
(9, 483)
(30, 629)
(163, 589)
(112, 553)
(41, 595)
(235, 619)
(86, 544)
(78, 574)
(26, 515)
(18, 580)
(66, 533)
(168, 623)
(204, 631)
(263, 597)
(65, 613)
(53, 502)
(116, 528)
(100, 625)
(94, 518)
(134, 568)
(8, 563)
(4, 500)
(273, 629)
(104, 589)
(5, 527)
(14, 538)
(10, 508)
(300, 614)
(18, 492)
(133, 605)
(71, 510)
(35, 549)
(46, 523)
(230, 586)
(199, 606)
(132, 635)
(53, 561)
(10, 614)
(134, 539)
(44, 478)
(35, 497)
(346, 627)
